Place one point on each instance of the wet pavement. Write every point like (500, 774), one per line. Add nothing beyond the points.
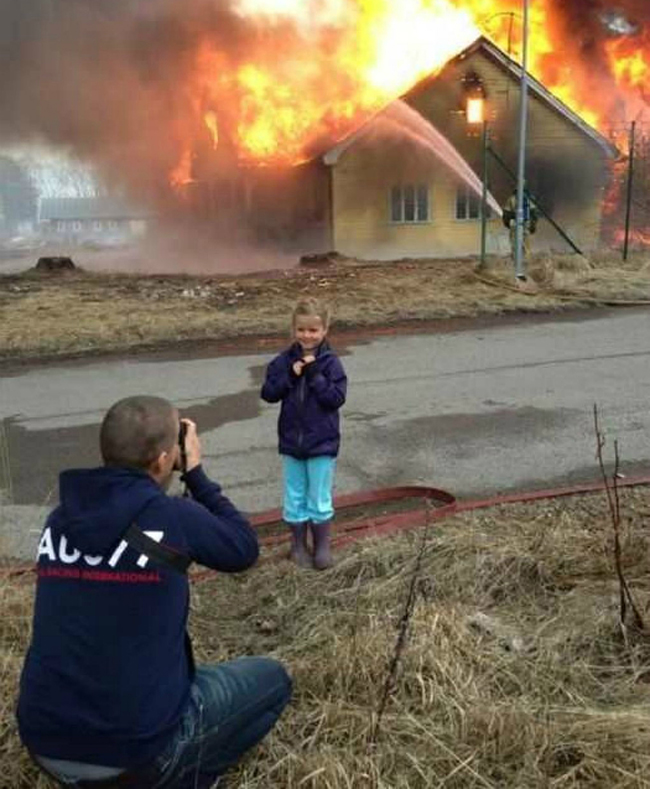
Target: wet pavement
(472, 407)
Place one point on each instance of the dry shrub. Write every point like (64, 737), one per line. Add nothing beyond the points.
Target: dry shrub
(613, 259)
(560, 272)
(556, 281)
(561, 701)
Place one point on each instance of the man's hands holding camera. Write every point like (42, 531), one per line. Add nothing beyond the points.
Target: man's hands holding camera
(189, 452)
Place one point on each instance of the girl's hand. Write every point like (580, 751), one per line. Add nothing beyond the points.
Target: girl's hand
(309, 359)
(297, 367)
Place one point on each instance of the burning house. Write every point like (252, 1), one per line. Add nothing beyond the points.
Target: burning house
(276, 121)
(406, 183)
(374, 184)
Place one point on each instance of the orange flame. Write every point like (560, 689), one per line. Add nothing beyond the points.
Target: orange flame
(212, 124)
(631, 68)
(304, 81)
(181, 175)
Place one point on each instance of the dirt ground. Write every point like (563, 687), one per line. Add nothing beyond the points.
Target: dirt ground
(89, 312)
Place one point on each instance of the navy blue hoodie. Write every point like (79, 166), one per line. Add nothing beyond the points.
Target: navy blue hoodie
(107, 676)
(308, 425)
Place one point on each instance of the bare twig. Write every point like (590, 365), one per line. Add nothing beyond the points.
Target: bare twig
(615, 478)
(613, 499)
(402, 633)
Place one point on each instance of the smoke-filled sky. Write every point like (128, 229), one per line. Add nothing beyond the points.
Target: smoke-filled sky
(104, 80)
(109, 81)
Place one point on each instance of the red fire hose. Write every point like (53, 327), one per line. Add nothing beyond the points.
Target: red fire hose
(431, 504)
(434, 505)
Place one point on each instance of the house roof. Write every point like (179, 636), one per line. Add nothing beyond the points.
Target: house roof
(514, 71)
(102, 207)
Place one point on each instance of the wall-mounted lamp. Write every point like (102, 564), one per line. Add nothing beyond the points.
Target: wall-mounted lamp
(475, 109)
(475, 98)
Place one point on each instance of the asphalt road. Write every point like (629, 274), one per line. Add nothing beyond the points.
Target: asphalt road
(472, 407)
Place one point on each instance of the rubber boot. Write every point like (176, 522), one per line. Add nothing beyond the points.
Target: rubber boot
(321, 533)
(299, 549)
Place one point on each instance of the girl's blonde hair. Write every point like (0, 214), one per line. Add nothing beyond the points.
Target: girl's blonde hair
(313, 308)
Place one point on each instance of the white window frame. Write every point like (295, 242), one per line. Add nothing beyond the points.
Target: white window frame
(468, 197)
(409, 196)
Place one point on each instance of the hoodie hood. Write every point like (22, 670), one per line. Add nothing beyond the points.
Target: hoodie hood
(98, 505)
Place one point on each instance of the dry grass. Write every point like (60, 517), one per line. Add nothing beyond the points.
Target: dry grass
(515, 673)
(88, 312)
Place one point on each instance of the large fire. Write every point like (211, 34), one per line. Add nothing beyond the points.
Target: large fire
(319, 66)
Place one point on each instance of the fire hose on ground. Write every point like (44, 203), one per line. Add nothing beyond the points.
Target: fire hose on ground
(435, 505)
(432, 505)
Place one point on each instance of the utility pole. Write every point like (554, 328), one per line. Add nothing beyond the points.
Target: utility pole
(630, 183)
(520, 269)
(484, 205)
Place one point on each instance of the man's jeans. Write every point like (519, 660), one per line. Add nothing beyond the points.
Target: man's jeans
(232, 707)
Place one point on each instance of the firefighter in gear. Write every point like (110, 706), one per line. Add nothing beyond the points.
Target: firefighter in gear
(530, 221)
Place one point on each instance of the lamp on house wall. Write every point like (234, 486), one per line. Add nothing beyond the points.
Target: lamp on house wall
(476, 115)
(475, 97)
(475, 109)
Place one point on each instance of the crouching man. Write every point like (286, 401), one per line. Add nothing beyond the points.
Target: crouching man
(109, 694)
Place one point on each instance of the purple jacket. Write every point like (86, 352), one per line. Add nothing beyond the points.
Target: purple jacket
(308, 425)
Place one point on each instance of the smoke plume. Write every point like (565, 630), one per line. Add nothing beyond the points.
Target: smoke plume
(106, 80)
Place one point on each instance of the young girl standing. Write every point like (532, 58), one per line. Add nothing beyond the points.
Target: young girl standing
(308, 378)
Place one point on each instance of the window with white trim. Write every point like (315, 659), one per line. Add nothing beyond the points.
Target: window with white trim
(409, 203)
(468, 204)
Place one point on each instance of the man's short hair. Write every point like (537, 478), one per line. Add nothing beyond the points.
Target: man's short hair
(136, 430)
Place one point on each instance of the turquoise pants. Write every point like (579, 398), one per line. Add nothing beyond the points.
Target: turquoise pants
(308, 489)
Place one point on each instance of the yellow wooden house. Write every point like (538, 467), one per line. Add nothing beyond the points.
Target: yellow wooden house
(393, 196)
(407, 183)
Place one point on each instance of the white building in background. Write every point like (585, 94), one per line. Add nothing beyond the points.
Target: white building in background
(102, 220)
